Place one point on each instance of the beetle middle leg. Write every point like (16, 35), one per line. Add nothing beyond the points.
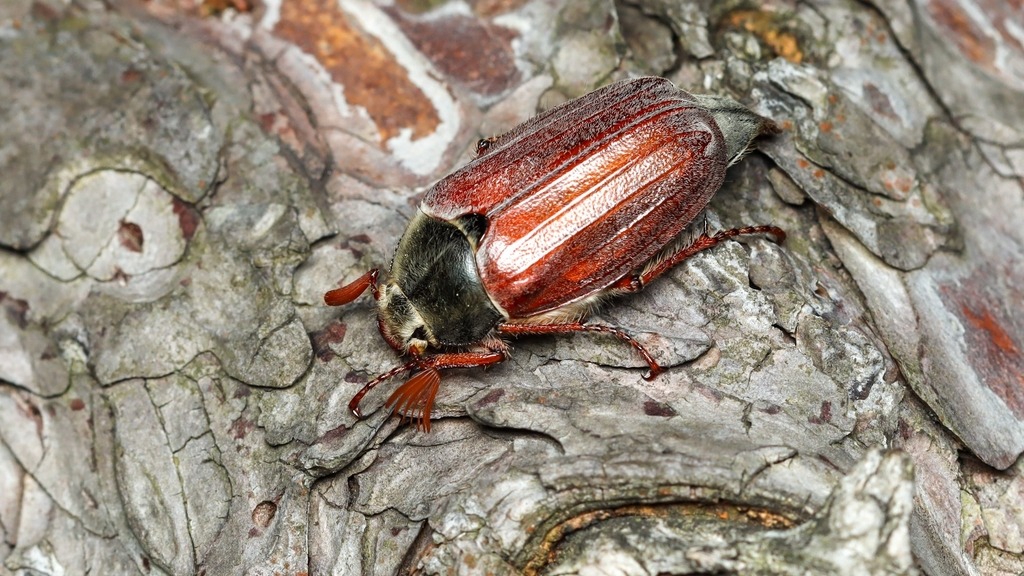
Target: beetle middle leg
(636, 282)
(571, 327)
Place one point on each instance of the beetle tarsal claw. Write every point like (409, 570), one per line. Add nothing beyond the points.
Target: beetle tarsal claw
(653, 373)
(414, 399)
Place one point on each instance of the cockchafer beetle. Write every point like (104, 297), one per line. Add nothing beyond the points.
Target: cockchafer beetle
(585, 201)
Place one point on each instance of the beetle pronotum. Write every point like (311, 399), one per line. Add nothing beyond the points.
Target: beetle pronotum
(582, 202)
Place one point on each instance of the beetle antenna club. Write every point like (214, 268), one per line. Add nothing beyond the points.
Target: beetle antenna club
(585, 201)
(351, 291)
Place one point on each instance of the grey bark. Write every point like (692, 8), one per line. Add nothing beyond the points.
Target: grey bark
(182, 183)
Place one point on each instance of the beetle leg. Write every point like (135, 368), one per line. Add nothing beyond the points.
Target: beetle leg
(636, 282)
(463, 359)
(415, 397)
(353, 404)
(570, 327)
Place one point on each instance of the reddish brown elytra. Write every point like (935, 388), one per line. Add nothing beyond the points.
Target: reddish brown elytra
(575, 205)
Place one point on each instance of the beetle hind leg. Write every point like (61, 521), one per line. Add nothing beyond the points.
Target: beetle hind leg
(571, 327)
(636, 282)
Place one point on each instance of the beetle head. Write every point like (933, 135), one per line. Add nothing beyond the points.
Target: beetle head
(401, 325)
(397, 319)
(739, 125)
(434, 295)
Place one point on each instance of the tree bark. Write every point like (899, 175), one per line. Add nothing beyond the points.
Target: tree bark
(183, 181)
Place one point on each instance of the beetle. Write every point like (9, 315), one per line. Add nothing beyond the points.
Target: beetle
(585, 201)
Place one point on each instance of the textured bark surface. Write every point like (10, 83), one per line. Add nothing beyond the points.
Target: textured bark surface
(183, 181)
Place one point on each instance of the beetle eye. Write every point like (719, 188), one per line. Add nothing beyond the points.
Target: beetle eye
(484, 144)
(419, 333)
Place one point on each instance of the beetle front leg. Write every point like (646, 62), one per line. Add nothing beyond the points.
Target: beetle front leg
(415, 397)
(636, 282)
(571, 327)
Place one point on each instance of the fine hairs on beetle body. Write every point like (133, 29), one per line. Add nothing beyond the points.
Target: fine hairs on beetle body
(580, 203)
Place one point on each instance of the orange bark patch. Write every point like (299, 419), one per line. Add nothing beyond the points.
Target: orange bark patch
(985, 321)
(464, 48)
(371, 77)
(994, 354)
(1006, 16)
(767, 26)
(215, 7)
(971, 41)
